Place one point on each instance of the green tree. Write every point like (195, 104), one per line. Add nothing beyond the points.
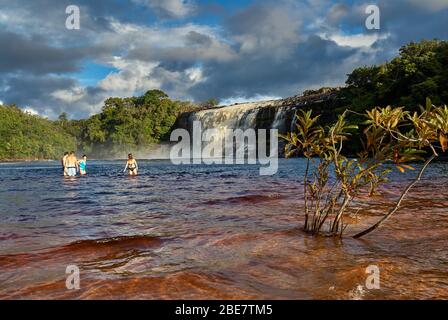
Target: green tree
(25, 136)
(419, 72)
(129, 123)
(332, 181)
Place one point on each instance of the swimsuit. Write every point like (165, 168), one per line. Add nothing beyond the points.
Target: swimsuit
(132, 167)
(82, 166)
(71, 171)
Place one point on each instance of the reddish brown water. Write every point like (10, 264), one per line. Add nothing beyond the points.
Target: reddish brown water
(209, 233)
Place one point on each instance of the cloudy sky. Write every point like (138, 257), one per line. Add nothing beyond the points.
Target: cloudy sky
(195, 49)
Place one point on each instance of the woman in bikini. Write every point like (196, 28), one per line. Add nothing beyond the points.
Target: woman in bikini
(131, 165)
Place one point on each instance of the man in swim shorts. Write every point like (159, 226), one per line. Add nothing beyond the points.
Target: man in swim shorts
(71, 165)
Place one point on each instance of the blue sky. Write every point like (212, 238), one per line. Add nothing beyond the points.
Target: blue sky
(90, 73)
(195, 49)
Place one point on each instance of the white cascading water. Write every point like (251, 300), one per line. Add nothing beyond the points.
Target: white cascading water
(279, 120)
(240, 116)
(272, 114)
(223, 120)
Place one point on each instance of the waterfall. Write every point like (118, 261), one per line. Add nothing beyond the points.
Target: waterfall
(257, 115)
(280, 119)
(273, 114)
(227, 119)
(241, 116)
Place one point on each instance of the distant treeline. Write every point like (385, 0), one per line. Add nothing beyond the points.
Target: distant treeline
(128, 124)
(124, 124)
(26, 136)
(419, 72)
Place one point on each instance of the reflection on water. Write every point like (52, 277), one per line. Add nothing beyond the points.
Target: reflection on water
(198, 232)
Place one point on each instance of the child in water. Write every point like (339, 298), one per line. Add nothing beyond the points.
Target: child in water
(82, 165)
(131, 165)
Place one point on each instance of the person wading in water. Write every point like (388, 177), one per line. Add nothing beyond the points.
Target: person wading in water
(64, 157)
(82, 165)
(131, 165)
(71, 165)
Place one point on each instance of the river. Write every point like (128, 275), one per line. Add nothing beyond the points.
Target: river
(209, 232)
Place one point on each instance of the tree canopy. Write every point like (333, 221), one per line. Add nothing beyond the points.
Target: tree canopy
(26, 136)
(419, 72)
(124, 123)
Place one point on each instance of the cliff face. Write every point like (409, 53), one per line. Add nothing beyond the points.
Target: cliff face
(274, 114)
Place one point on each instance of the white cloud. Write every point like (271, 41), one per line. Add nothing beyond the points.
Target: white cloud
(161, 37)
(138, 70)
(355, 40)
(69, 95)
(31, 111)
(133, 76)
(195, 75)
(15, 18)
(170, 8)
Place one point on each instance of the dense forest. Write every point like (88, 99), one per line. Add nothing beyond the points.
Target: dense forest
(419, 72)
(26, 136)
(126, 124)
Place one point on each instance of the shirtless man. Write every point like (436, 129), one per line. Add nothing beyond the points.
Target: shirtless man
(63, 163)
(71, 165)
